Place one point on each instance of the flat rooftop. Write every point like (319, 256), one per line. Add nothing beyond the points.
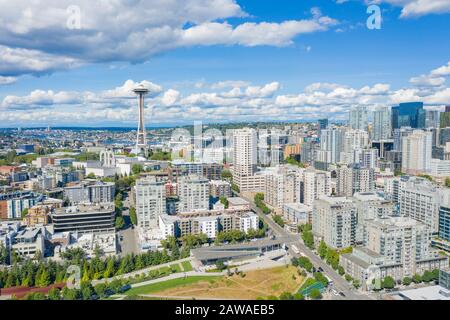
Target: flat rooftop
(426, 293)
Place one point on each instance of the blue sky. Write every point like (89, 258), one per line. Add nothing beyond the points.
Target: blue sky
(330, 45)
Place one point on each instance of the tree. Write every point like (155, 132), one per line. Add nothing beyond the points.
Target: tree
(4, 254)
(388, 283)
(315, 294)
(427, 276)
(308, 239)
(226, 174)
(91, 175)
(278, 220)
(133, 216)
(24, 213)
(224, 201)
(35, 296)
(417, 278)
(348, 277)
(356, 284)
(407, 281)
(321, 278)
(286, 296)
(341, 270)
(235, 188)
(100, 290)
(298, 296)
(137, 168)
(120, 222)
(54, 294)
(323, 249)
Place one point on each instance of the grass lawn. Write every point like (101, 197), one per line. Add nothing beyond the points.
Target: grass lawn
(257, 283)
(169, 284)
(186, 266)
(176, 267)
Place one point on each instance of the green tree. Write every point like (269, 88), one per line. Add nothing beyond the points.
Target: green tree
(286, 296)
(278, 220)
(54, 294)
(224, 201)
(417, 278)
(91, 175)
(226, 174)
(100, 290)
(24, 213)
(133, 216)
(323, 249)
(298, 296)
(137, 168)
(407, 281)
(120, 223)
(388, 283)
(315, 294)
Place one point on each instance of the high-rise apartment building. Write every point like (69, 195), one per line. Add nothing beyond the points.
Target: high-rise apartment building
(358, 118)
(419, 199)
(353, 178)
(416, 152)
(381, 124)
(331, 144)
(193, 192)
(315, 184)
(150, 201)
(334, 220)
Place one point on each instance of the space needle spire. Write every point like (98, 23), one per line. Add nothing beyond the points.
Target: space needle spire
(141, 142)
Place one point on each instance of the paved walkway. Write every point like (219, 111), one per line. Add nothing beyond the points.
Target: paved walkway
(178, 276)
(139, 272)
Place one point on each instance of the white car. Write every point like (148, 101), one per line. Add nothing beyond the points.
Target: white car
(335, 292)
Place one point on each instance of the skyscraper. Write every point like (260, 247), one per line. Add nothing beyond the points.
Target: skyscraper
(410, 114)
(445, 118)
(416, 152)
(323, 124)
(358, 118)
(432, 119)
(381, 124)
(141, 142)
(150, 201)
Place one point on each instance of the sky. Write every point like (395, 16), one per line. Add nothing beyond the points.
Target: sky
(75, 62)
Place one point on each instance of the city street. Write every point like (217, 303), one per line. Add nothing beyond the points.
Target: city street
(127, 236)
(339, 283)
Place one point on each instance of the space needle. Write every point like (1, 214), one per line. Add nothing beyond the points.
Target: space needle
(141, 142)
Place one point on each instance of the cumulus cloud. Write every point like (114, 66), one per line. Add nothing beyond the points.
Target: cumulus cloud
(415, 8)
(230, 101)
(7, 80)
(35, 37)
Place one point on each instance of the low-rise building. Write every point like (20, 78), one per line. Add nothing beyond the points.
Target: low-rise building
(84, 218)
(297, 213)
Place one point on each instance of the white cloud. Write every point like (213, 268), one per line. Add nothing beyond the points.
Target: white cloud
(7, 80)
(34, 37)
(412, 8)
(241, 101)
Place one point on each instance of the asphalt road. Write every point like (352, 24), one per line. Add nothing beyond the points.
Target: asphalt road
(339, 283)
(129, 235)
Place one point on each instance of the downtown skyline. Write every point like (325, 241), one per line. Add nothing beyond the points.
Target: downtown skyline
(303, 61)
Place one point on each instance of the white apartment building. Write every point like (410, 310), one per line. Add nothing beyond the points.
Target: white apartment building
(150, 201)
(245, 157)
(416, 152)
(315, 184)
(297, 213)
(283, 185)
(334, 220)
(193, 192)
(381, 124)
(358, 118)
(331, 144)
(208, 226)
(440, 168)
(248, 221)
(353, 178)
(419, 199)
(401, 241)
